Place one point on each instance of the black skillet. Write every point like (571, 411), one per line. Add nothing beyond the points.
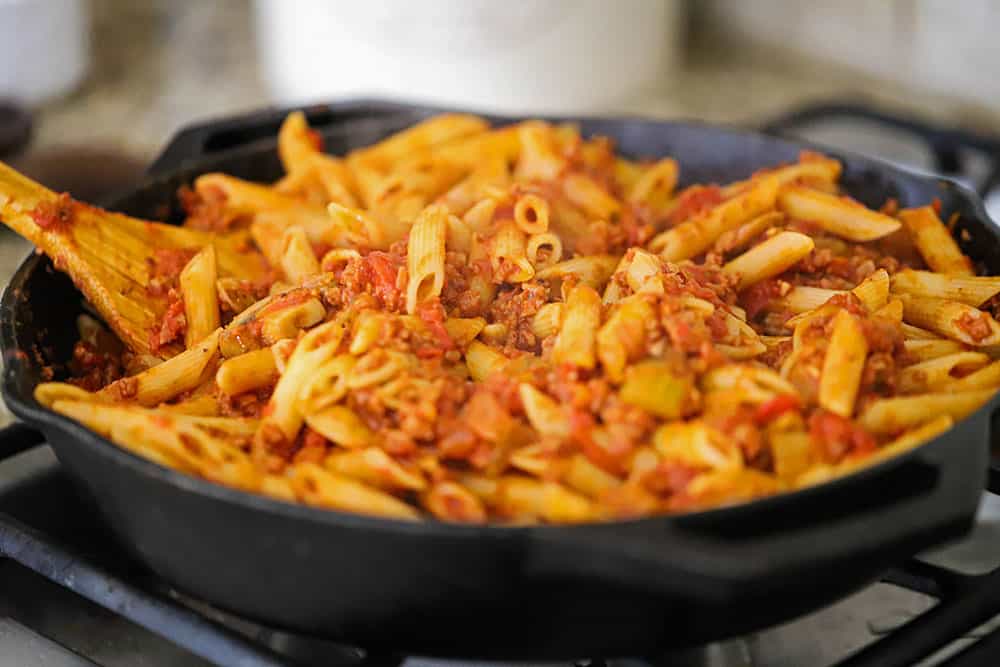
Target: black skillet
(626, 588)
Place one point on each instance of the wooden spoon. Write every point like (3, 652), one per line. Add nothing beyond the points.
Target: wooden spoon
(110, 256)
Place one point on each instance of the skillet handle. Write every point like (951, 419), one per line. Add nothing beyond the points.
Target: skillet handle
(870, 519)
(197, 141)
(18, 437)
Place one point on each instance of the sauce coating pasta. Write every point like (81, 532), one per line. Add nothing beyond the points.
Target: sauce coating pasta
(517, 325)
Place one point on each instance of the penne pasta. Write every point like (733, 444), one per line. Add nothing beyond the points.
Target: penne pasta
(889, 415)
(951, 319)
(970, 290)
(425, 257)
(843, 365)
(934, 242)
(769, 259)
(201, 300)
(844, 217)
(575, 343)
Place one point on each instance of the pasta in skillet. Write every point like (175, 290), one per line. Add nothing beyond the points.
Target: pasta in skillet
(519, 325)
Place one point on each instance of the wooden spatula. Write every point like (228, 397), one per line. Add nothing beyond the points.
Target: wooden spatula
(110, 256)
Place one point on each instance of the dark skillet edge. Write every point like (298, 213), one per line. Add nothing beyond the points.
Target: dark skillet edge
(26, 408)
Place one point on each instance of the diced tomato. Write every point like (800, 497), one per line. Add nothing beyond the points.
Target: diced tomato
(581, 425)
(776, 407)
(432, 314)
(316, 139)
(835, 437)
(694, 200)
(54, 216)
(758, 297)
(381, 271)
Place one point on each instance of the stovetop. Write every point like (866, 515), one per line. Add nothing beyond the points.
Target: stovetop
(68, 597)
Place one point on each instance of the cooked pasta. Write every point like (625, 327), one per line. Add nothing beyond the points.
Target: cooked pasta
(518, 325)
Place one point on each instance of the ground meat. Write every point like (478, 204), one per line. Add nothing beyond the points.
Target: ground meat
(515, 307)
(758, 297)
(172, 325)
(207, 209)
(92, 369)
(54, 216)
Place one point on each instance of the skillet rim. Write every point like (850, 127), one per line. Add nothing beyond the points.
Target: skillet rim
(38, 416)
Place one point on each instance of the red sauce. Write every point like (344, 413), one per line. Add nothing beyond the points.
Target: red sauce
(776, 407)
(758, 297)
(976, 325)
(54, 216)
(694, 201)
(835, 437)
(172, 326)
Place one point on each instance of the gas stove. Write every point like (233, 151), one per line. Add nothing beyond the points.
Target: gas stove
(69, 596)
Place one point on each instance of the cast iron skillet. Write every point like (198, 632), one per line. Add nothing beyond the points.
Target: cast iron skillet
(626, 588)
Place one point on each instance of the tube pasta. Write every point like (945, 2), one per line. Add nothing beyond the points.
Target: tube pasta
(538, 241)
(695, 236)
(770, 258)
(889, 415)
(843, 217)
(509, 254)
(593, 270)
(926, 349)
(531, 214)
(298, 261)
(247, 372)
(970, 290)
(932, 374)
(425, 257)
(201, 301)
(575, 342)
(934, 242)
(951, 319)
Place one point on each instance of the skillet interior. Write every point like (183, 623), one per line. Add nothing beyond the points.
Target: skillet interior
(565, 570)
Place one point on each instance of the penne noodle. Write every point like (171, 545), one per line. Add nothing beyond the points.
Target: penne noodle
(509, 255)
(298, 261)
(425, 257)
(654, 186)
(844, 217)
(538, 241)
(575, 342)
(843, 365)
(971, 290)
(951, 319)
(927, 349)
(889, 415)
(934, 242)
(592, 270)
(770, 258)
(544, 414)
(247, 372)
(802, 299)
(693, 237)
(933, 374)
(168, 379)
(316, 486)
(201, 300)
(584, 193)
(987, 377)
(547, 320)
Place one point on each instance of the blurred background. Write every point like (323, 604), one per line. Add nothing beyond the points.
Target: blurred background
(106, 82)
